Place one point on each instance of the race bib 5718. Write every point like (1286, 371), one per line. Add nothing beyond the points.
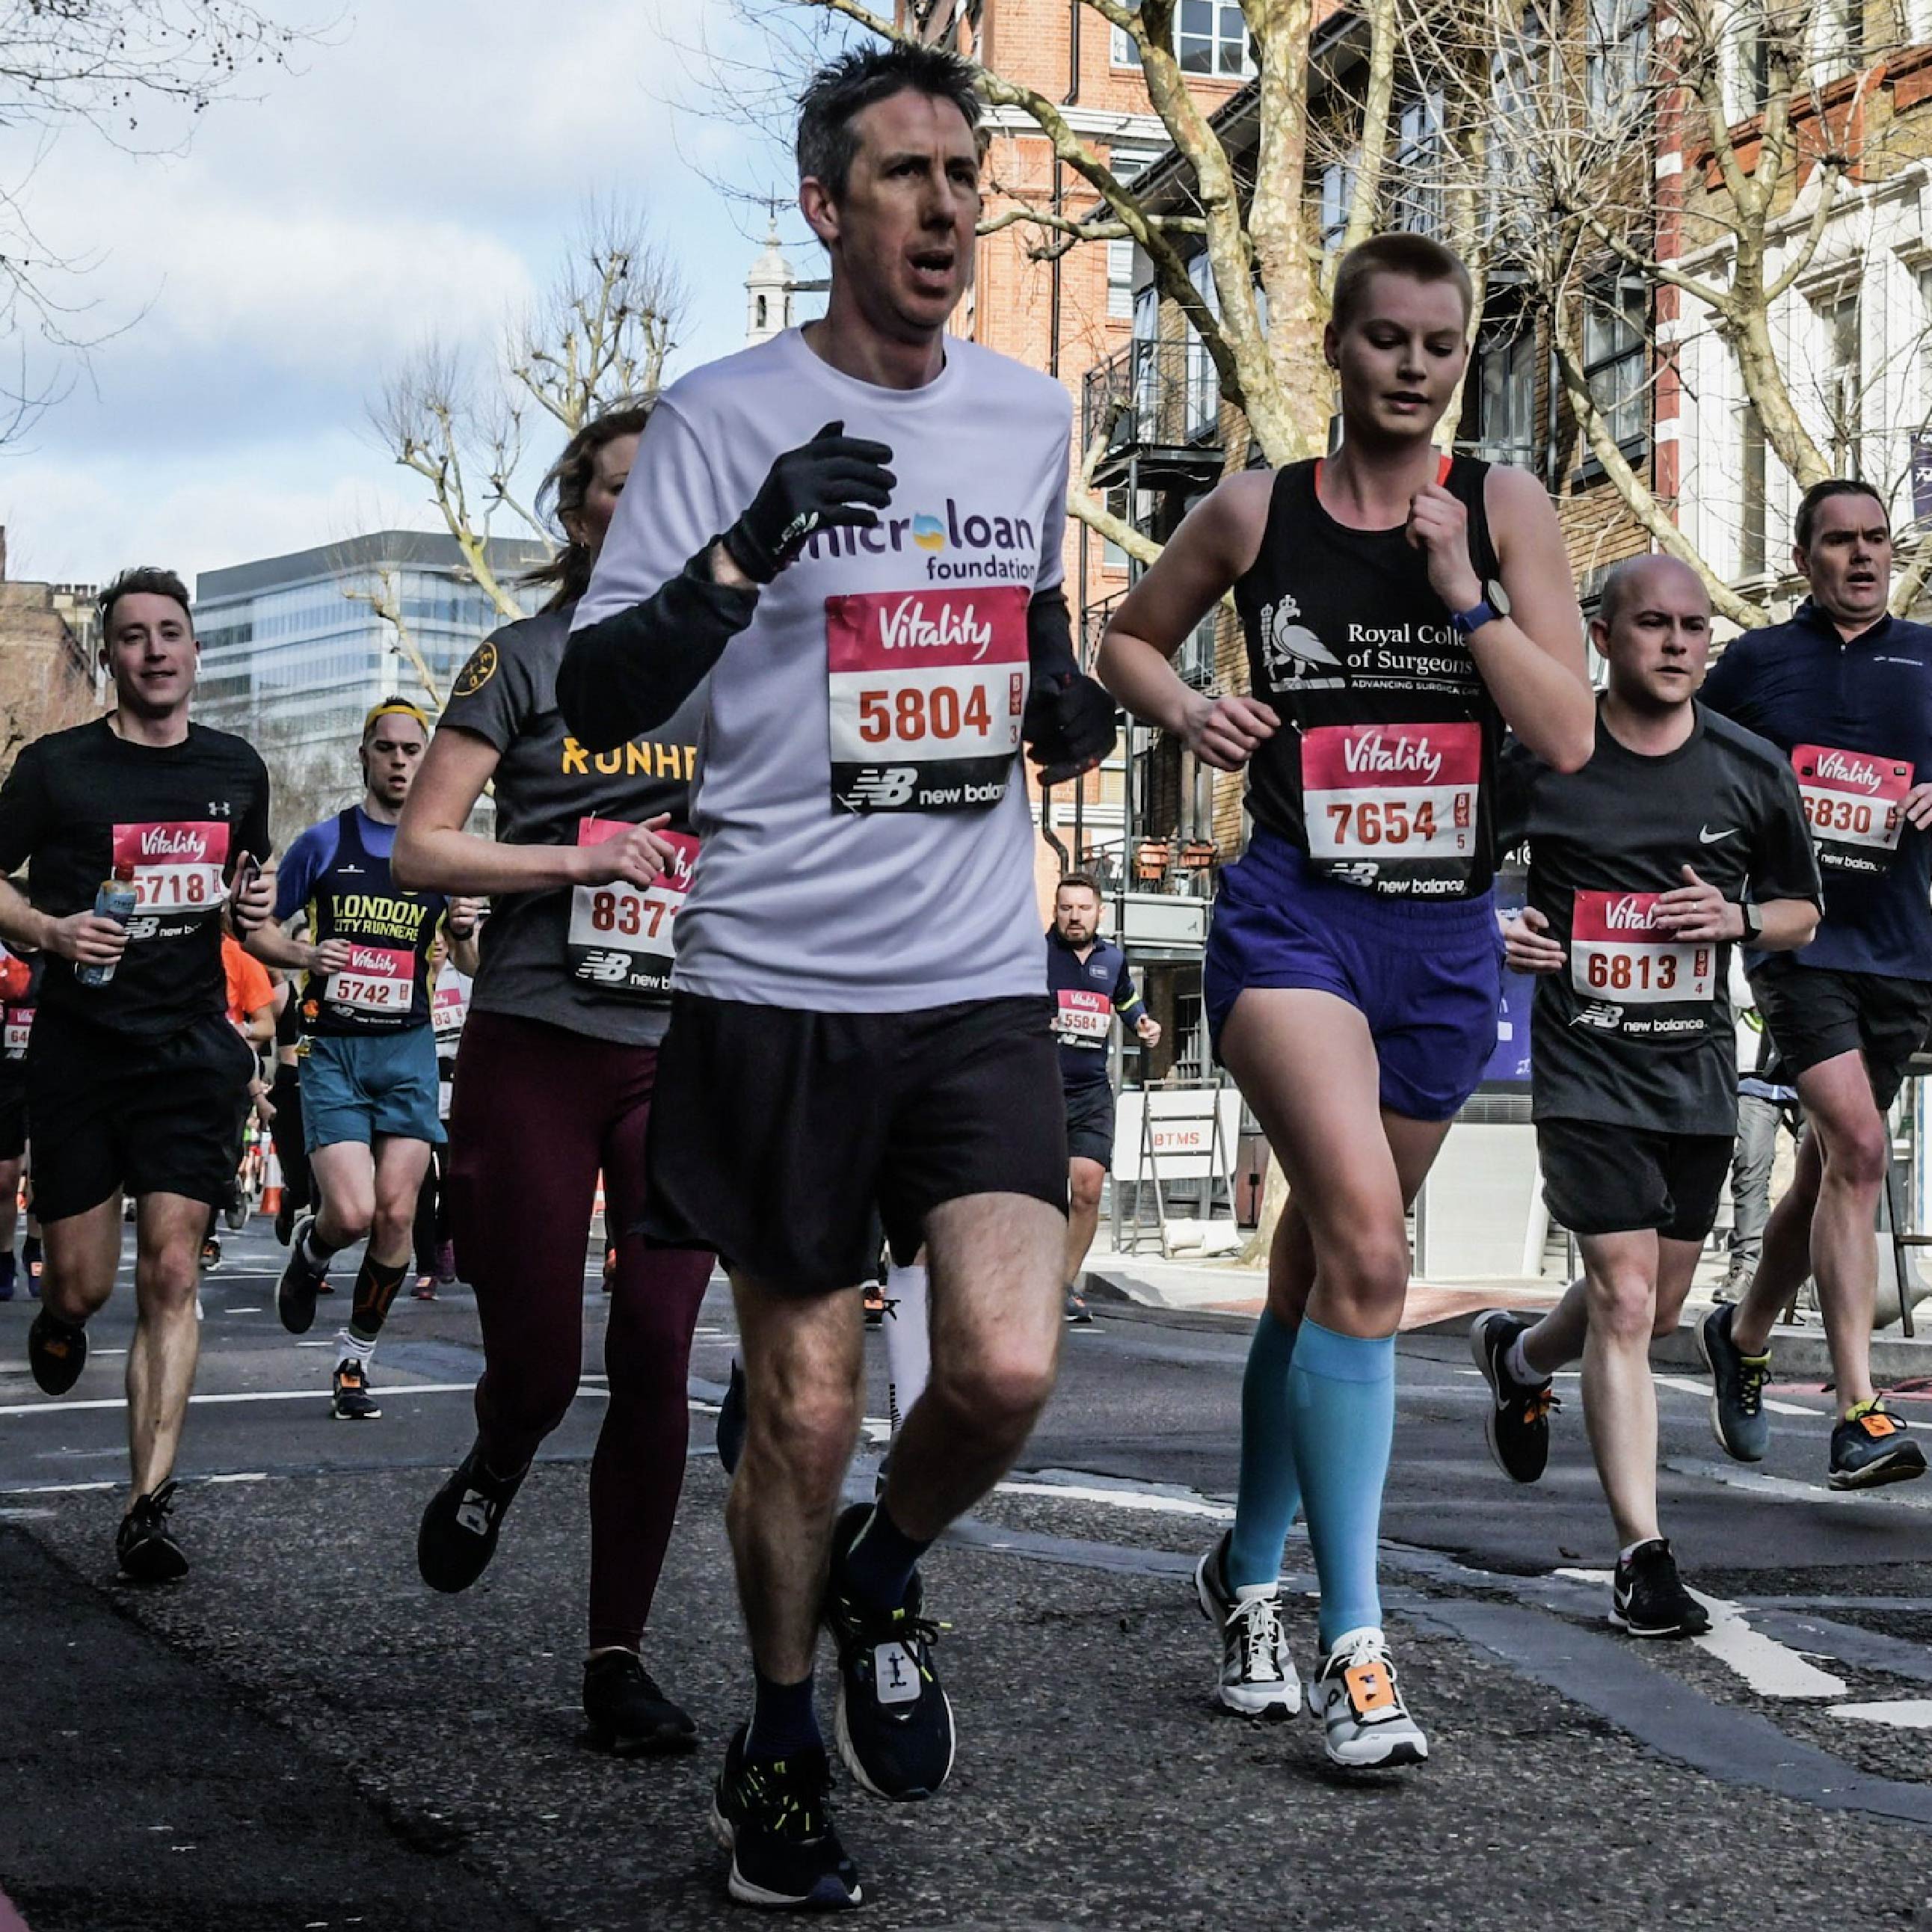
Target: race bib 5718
(927, 689)
(1617, 953)
(178, 867)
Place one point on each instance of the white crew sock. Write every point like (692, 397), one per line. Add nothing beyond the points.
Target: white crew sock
(1516, 1365)
(353, 1348)
(908, 1342)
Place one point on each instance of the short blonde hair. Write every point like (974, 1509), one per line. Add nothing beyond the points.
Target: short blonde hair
(1397, 252)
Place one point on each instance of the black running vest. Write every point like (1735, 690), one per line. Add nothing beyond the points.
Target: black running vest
(385, 987)
(1383, 773)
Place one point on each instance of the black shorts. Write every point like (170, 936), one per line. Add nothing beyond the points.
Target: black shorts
(112, 1111)
(1603, 1179)
(1815, 1013)
(1089, 1122)
(773, 1132)
(13, 1110)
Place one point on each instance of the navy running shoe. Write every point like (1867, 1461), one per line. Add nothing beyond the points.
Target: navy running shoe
(1870, 1448)
(894, 1726)
(1737, 1388)
(772, 1816)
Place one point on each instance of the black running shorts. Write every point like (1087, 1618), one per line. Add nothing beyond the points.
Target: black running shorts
(773, 1132)
(1602, 1180)
(13, 1110)
(112, 1111)
(1089, 1122)
(1815, 1013)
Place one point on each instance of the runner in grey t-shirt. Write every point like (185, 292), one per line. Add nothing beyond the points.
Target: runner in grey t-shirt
(858, 1012)
(554, 1084)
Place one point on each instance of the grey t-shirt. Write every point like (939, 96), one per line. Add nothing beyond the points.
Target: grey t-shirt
(867, 843)
(596, 960)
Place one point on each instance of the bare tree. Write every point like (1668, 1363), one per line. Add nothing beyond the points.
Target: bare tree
(1765, 103)
(598, 338)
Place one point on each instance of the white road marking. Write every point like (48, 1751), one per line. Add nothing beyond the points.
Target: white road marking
(1691, 1386)
(56, 1488)
(1912, 1714)
(1741, 1478)
(242, 1311)
(391, 1389)
(1126, 1499)
(1771, 1669)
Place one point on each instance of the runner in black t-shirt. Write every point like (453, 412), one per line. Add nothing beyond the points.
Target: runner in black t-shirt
(1682, 836)
(1844, 690)
(20, 983)
(553, 1084)
(133, 1086)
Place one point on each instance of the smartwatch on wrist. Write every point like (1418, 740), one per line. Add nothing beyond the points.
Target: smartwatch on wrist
(1495, 603)
(1753, 921)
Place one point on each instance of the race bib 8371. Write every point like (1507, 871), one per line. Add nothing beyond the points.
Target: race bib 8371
(927, 687)
(623, 937)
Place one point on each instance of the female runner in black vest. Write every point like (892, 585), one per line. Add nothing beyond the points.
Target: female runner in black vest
(1401, 608)
(553, 1084)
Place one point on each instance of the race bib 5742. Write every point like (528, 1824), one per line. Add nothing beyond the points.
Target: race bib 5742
(927, 691)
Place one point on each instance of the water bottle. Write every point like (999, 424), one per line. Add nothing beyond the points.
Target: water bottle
(116, 900)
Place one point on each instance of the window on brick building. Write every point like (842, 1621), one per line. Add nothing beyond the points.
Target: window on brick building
(1338, 191)
(1844, 387)
(1210, 37)
(1418, 166)
(1613, 357)
(1746, 60)
(1616, 56)
(1203, 379)
(1838, 37)
(1506, 396)
(1120, 502)
(1126, 162)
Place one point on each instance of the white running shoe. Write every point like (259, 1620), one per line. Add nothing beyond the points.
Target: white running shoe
(1353, 1693)
(1258, 1676)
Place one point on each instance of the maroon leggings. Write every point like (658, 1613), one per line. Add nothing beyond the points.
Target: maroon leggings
(538, 1110)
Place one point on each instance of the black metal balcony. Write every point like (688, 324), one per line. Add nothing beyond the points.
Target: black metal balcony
(1156, 405)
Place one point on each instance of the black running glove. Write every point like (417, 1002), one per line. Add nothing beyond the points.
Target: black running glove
(835, 478)
(1069, 725)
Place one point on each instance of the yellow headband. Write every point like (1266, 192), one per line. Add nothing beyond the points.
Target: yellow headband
(398, 707)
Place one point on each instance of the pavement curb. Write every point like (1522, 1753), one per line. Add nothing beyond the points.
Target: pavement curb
(1798, 1355)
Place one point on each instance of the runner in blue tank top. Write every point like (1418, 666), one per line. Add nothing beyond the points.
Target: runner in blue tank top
(1401, 607)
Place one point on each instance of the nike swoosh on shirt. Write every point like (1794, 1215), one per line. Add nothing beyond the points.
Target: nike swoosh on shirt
(1705, 836)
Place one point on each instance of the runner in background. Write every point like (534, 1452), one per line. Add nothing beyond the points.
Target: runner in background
(1682, 836)
(368, 1052)
(448, 1008)
(1087, 979)
(132, 1084)
(1844, 690)
(20, 983)
(1401, 606)
(554, 1080)
(251, 1012)
(285, 1096)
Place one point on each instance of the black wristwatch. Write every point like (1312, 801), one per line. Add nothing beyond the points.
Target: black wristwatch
(1753, 922)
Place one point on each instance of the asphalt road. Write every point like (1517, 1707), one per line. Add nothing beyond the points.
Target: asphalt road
(300, 1735)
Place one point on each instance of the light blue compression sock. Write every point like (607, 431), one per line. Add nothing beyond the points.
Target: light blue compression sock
(1341, 1420)
(1270, 1490)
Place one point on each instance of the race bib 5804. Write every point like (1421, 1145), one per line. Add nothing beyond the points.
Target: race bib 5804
(928, 688)
(623, 937)
(1616, 953)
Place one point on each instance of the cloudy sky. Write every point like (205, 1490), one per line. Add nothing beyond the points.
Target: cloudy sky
(417, 175)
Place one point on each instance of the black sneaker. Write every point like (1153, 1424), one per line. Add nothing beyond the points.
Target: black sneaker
(285, 1220)
(1648, 1597)
(1737, 1419)
(1078, 1312)
(56, 1353)
(353, 1402)
(731, 1420)
(6, 1274)
(771, 1815)
(894, 1725)
(211, 1254)
(628, 1713)
(1869, 1447)
(1516, 1425)
(300, 1284)
(146, 1553)
(457, 1535)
